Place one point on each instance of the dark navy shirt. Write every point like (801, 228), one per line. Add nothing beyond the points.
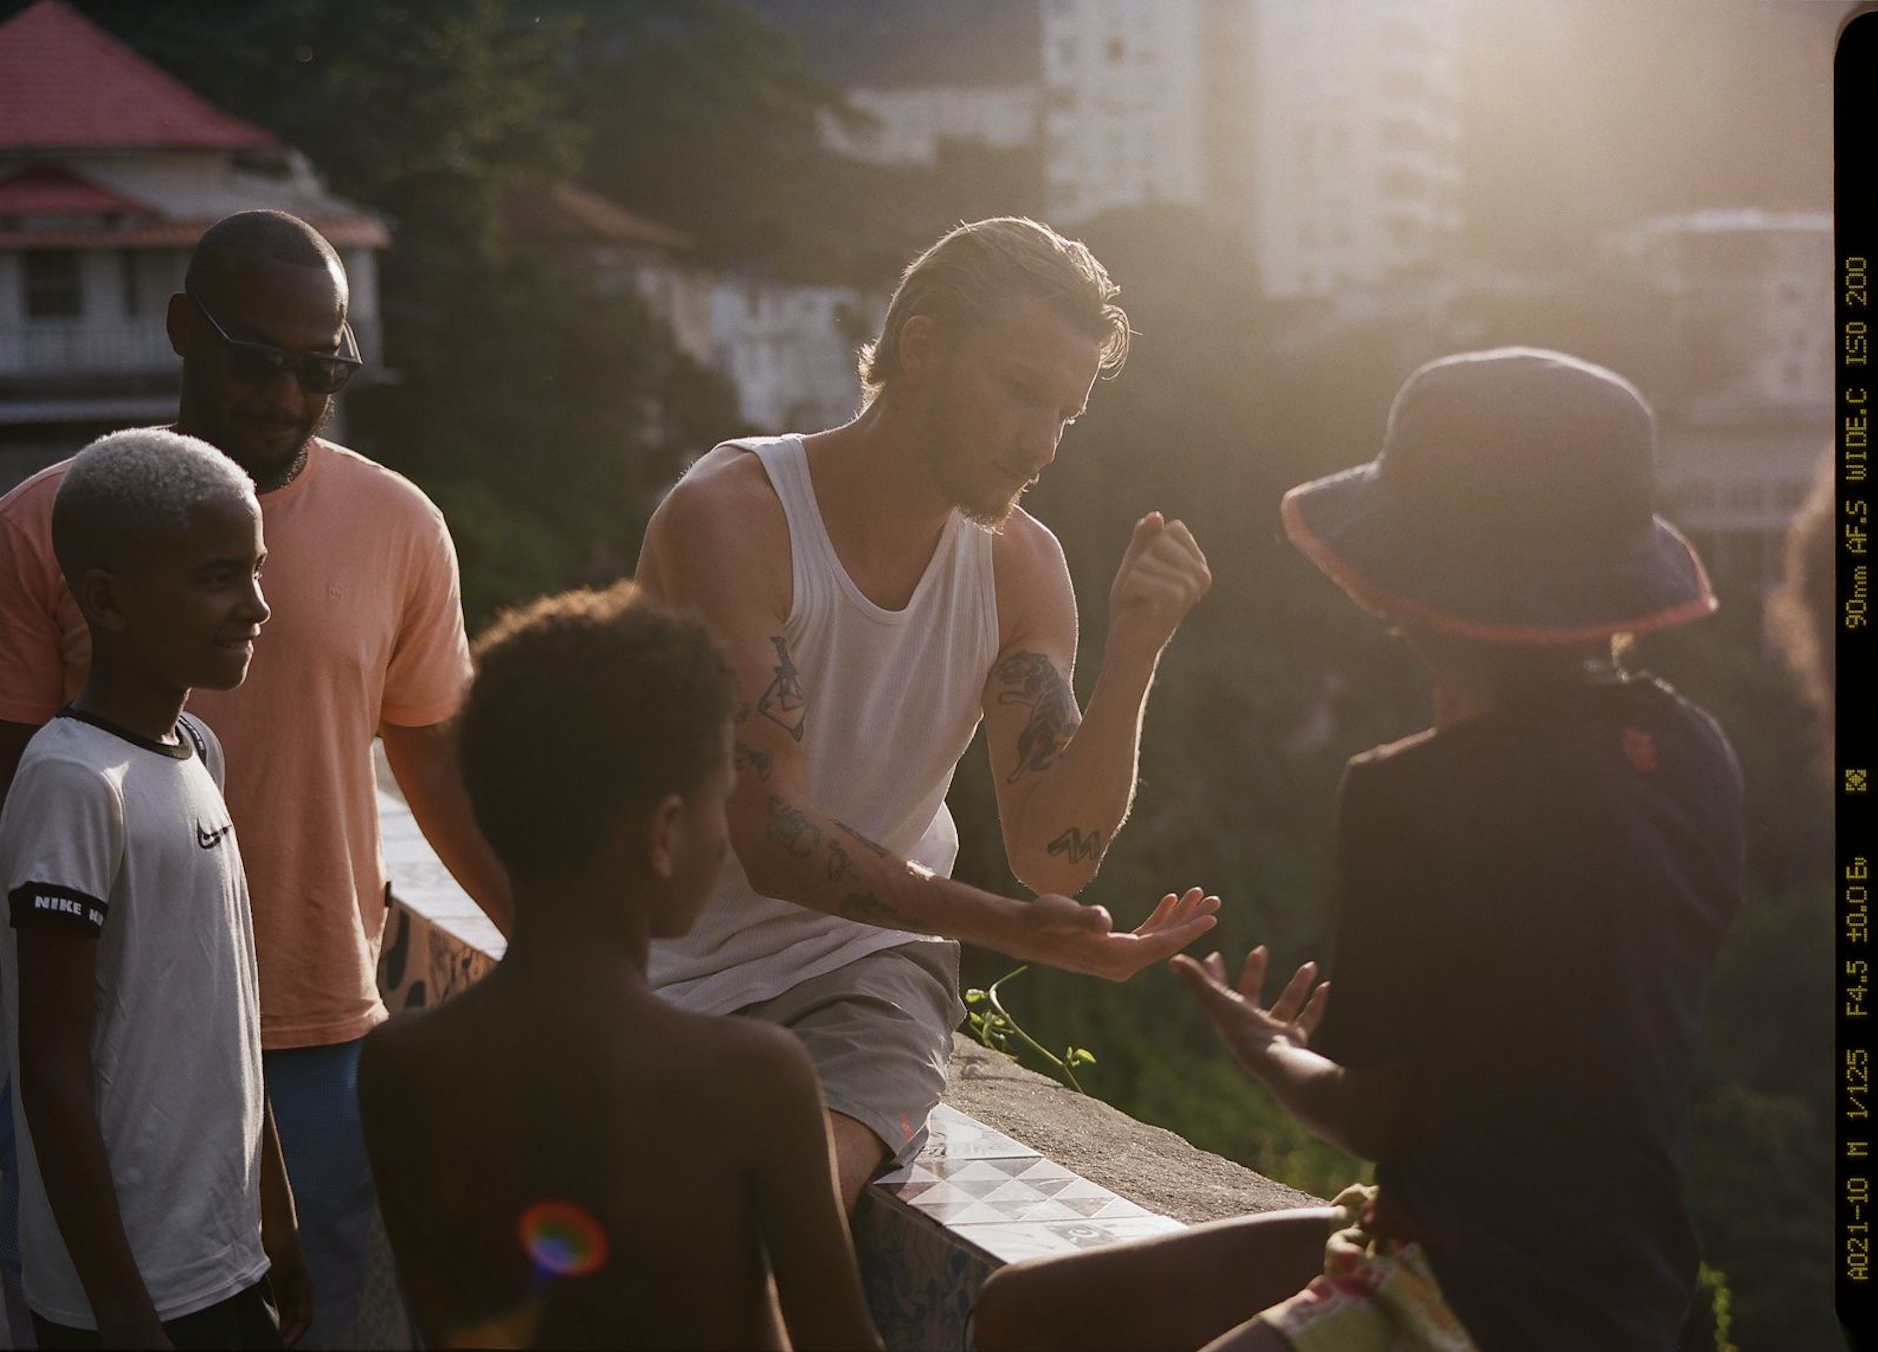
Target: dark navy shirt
(1530, 903)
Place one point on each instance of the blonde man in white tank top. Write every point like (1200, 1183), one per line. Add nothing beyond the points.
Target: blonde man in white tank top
(880, 591)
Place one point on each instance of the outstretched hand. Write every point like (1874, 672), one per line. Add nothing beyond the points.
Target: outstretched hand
(1242, 1022)
(1067, 934)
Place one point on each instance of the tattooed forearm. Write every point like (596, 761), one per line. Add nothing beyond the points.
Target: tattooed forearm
(880, 850)
(792, 830)
(871, 910)
(1074, 846)
(1032, 679)
(838, 867)
(783, 702)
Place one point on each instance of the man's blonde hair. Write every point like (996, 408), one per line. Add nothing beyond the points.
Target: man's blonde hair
(960, 281)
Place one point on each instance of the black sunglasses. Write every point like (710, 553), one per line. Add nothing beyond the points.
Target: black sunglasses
(259, 363)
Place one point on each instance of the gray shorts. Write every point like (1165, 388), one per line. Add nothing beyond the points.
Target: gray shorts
(880, 1033)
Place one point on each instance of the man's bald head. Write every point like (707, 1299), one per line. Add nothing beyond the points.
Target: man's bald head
(235, 243)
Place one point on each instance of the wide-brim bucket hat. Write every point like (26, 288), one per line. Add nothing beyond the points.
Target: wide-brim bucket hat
(1513, 501)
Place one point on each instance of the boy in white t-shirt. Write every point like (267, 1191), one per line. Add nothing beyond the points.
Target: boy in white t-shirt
(153, 1199)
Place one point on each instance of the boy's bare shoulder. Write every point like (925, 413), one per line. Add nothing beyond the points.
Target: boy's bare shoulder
(747, 1051)
(728, 1069)
(417, 1044)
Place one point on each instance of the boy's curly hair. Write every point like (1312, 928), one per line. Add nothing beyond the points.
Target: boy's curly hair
(587, 705)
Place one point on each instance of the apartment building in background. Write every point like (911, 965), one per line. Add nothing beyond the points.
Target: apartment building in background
(1124, 100)
(1324, 134)
(1354, 113)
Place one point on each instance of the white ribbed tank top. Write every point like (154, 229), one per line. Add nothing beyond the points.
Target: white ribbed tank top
(893, 700)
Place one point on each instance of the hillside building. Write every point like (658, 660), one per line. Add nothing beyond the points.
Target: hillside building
(110, 170)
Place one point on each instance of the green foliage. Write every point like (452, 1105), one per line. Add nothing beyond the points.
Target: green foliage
(1212, 1104)
(1760, 1169)
(1711, 1319)
(425, 109)
(544, 408)
(702, 117)
(507, 557)
(992, 1024)
(1760, 1182)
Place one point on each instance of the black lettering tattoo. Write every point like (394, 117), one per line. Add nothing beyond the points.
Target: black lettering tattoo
(755, 760)
(880, 850)
(793, 831)
(870, 910)
(783, 703)
(1076, 847)
(838, 867)
(1033, 680)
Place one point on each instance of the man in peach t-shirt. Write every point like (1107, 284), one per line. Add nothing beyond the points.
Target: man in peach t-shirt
(366, 639)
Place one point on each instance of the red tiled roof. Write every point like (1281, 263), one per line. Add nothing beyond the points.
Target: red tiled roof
(574, 215)
(52, 190)
(342, 232)
(71, 85)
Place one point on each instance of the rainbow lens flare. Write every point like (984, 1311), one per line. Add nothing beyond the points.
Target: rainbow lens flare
(562, 1239)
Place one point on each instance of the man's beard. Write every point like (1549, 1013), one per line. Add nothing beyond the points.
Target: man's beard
(984, 507)
(269, 468)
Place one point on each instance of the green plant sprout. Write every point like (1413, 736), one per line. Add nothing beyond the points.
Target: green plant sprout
(992, 1024)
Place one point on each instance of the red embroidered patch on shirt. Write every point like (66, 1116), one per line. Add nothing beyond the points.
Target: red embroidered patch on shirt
(1640, 750)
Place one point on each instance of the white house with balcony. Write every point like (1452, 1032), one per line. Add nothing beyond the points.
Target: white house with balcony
(110, 170)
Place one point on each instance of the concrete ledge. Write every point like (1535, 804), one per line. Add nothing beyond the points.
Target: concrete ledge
(1019, 1166)
(929, 1232)
(1148, 1165)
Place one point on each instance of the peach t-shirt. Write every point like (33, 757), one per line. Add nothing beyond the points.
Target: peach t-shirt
(367, 628)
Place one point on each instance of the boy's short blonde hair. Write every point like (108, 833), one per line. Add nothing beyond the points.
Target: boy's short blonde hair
(128, 488)
(977, 267)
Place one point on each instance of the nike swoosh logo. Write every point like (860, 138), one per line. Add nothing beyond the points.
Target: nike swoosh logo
(208, 840)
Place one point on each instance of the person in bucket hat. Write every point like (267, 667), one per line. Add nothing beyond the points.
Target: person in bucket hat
(1512, 502)
(1531, 895)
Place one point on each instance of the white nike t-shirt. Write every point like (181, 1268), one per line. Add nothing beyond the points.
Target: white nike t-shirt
(129, 840)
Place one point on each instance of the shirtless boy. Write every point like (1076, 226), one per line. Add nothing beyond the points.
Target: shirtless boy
(631, 1174)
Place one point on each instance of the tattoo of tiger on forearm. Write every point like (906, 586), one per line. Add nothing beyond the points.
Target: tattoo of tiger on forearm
(1032, 679)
